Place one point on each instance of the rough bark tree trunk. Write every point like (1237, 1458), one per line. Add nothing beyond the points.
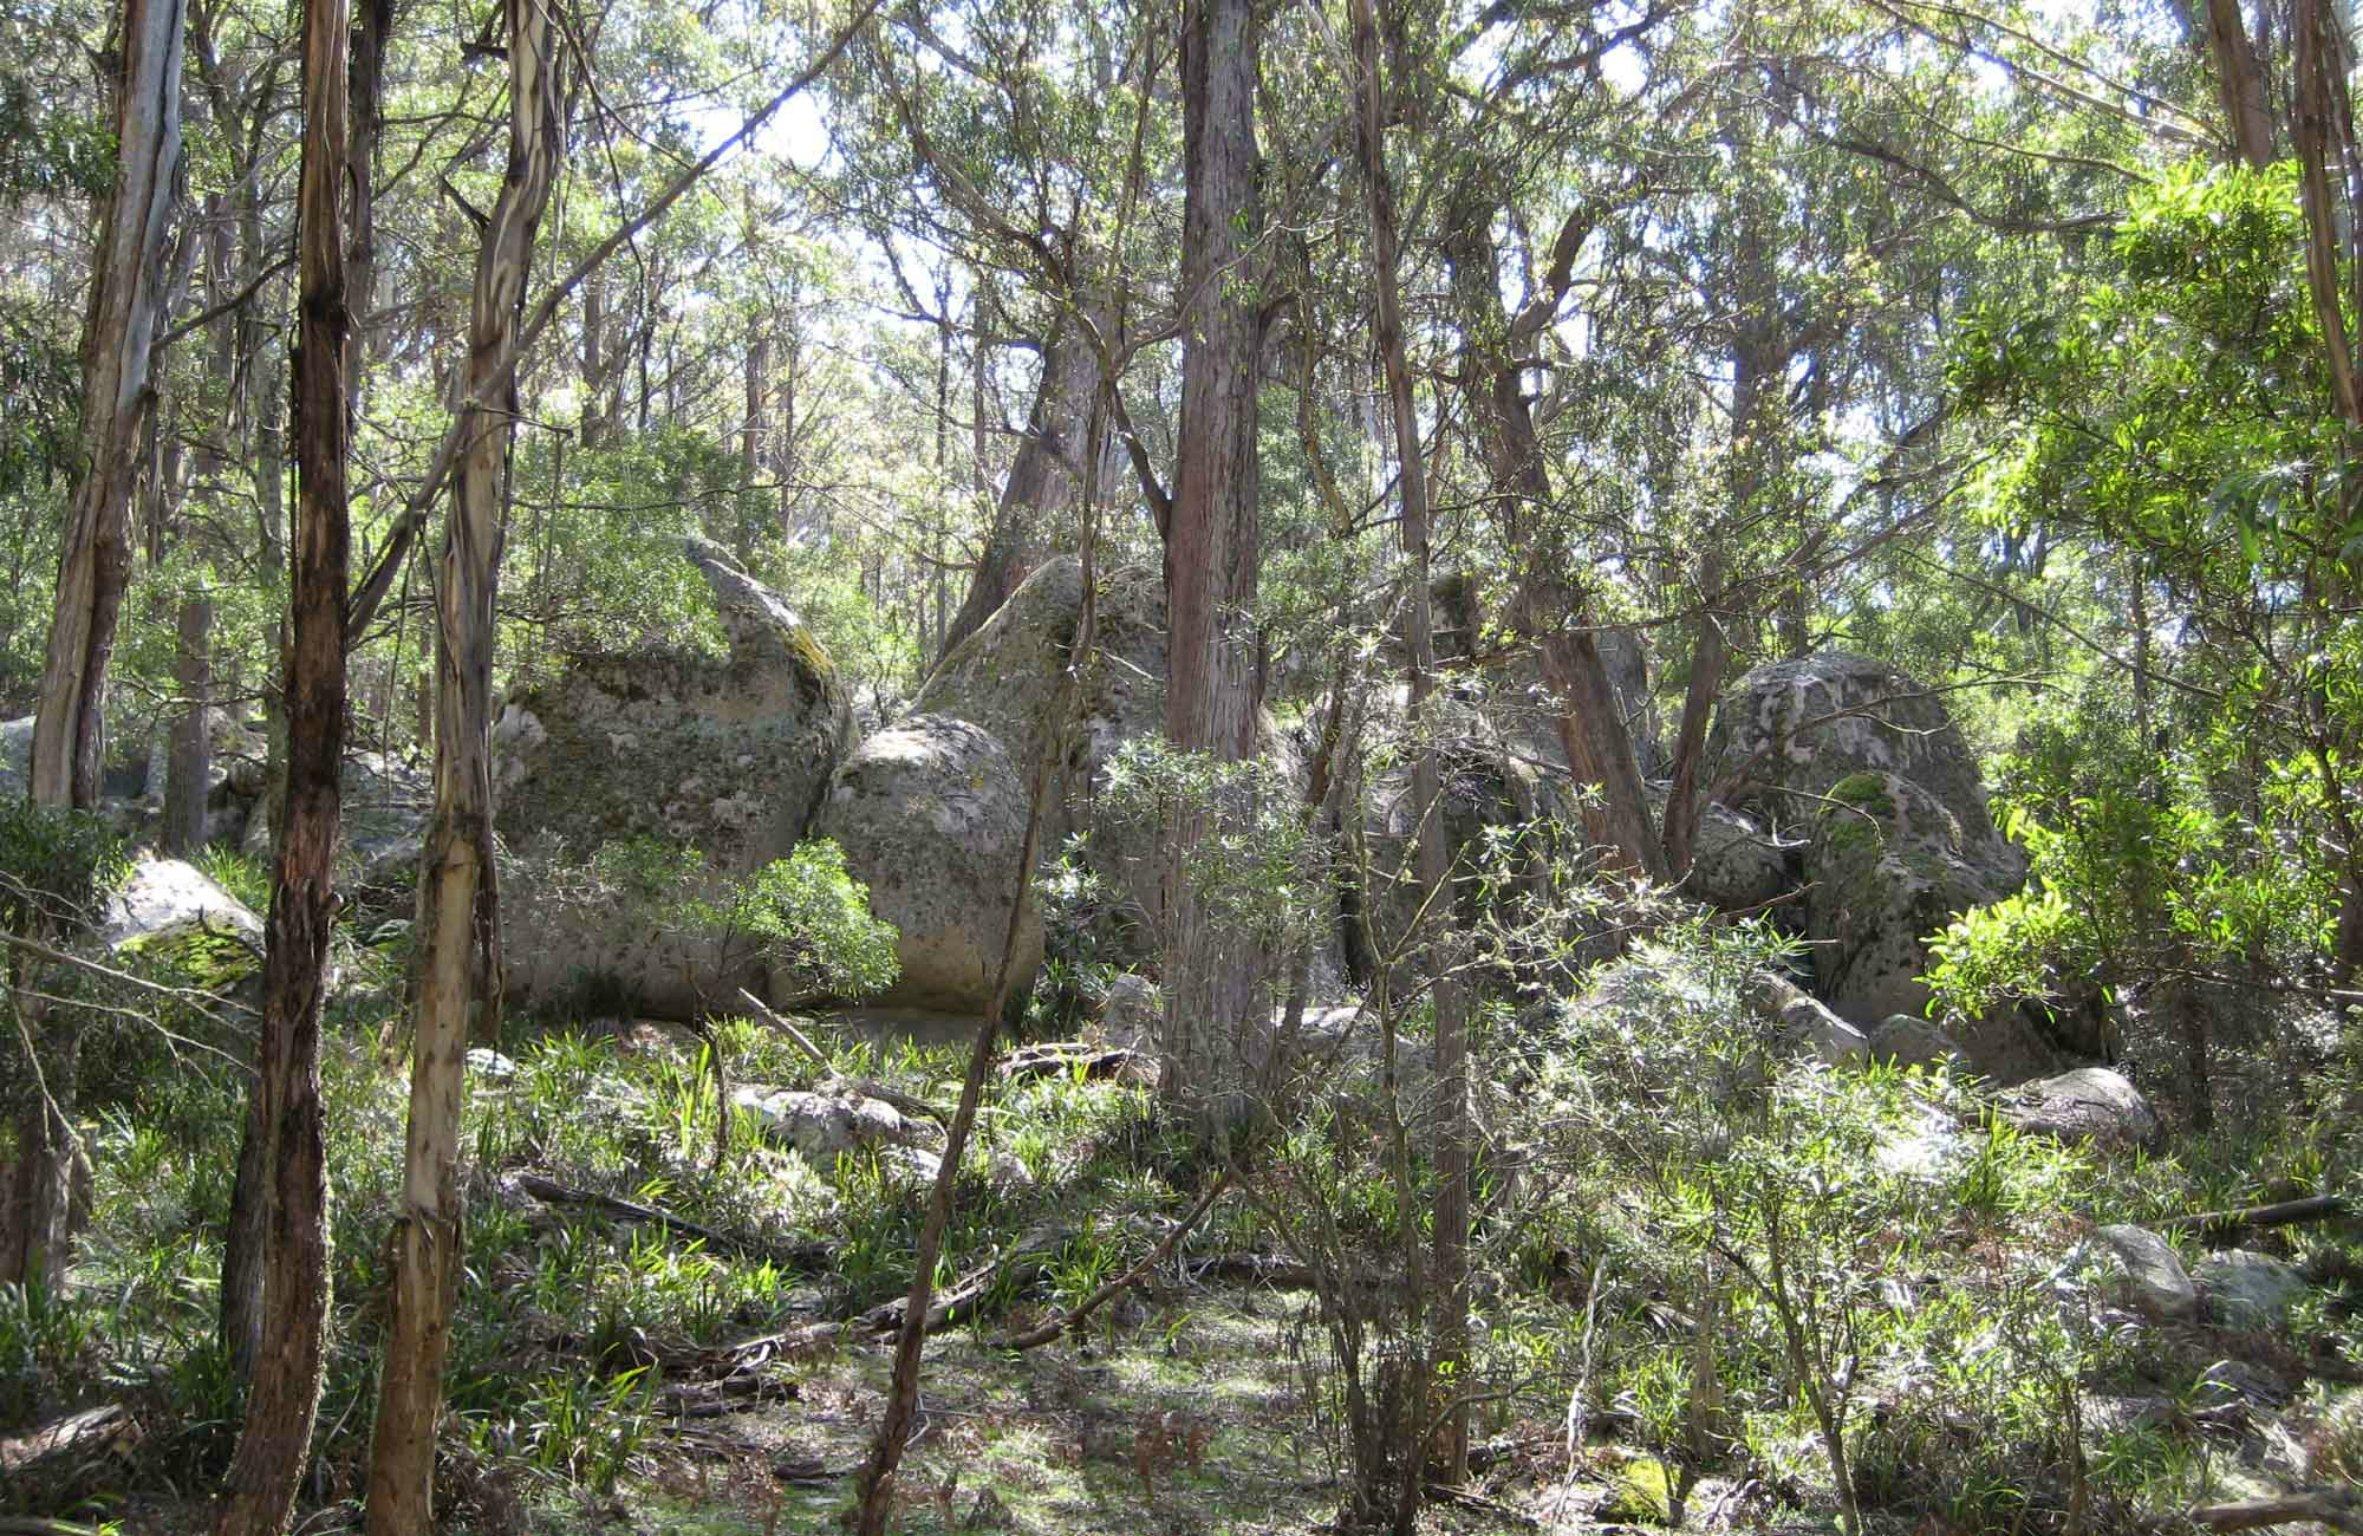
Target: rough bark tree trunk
(458, 964)
(1042, 483)
(1546, 609)
(283, 1396)
(1216, 1028)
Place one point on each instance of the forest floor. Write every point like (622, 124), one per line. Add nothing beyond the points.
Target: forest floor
(635, 1343)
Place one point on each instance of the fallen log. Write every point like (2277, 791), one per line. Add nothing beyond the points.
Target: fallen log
(1043, 1333)
(2340, 1509)
(2281, 1213)
(93, 1431)
(550, 1192)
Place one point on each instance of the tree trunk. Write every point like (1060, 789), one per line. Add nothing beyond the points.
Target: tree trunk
(1546, 609)
(127, 292)
(1710, 655)
(1448, 1323)
(283, 1396)
(189, 762)
(249, 344)
(69, 736)
(1216, 1029)
(458, 965)
(373, 21)
(1043, 479)
(2239, 82)
(1762, 347)
(593, 373)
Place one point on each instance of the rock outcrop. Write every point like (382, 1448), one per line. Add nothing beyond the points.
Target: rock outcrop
(1866, 769)
(932, 814)
(660, 756)
(726, 755)
(2091, 1104)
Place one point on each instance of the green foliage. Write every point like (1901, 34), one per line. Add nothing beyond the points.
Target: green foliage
(56, 866)
(813, 920)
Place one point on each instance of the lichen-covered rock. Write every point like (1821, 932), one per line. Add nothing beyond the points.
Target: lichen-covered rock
(1805, 1026)
(932, 817)
(1131, 1012)
(2152, 1275)
(729, 756)
(2249, 1290)
(826, 1125)
(721, 759)
(1908, 1040)
(166, 898)
(171, 910)
(2090, 1104)
(1868, 771)
(1005, 676)
(1888, 866)
(1789, 731)
(1735, 866)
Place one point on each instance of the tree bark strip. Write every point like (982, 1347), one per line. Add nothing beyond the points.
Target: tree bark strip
(459, 973)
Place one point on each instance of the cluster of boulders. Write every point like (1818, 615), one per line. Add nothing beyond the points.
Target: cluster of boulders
(1844, 803)
(656, 756)
(634, 787)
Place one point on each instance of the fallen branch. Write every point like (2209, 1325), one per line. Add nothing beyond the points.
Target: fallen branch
(1043, 1333)
(550, 1192)
(2283, 1213)
(2337, 1508)
(102, 1429)
(837, 1082)
(1471, 1499)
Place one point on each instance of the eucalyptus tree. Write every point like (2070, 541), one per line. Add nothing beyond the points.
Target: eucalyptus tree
(274, 1445)
(459, 915)
(128, 283)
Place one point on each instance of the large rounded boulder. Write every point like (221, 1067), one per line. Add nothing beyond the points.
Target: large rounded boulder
(1866, 769)
(638, 781)
(932, 814)
(1006, 675)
